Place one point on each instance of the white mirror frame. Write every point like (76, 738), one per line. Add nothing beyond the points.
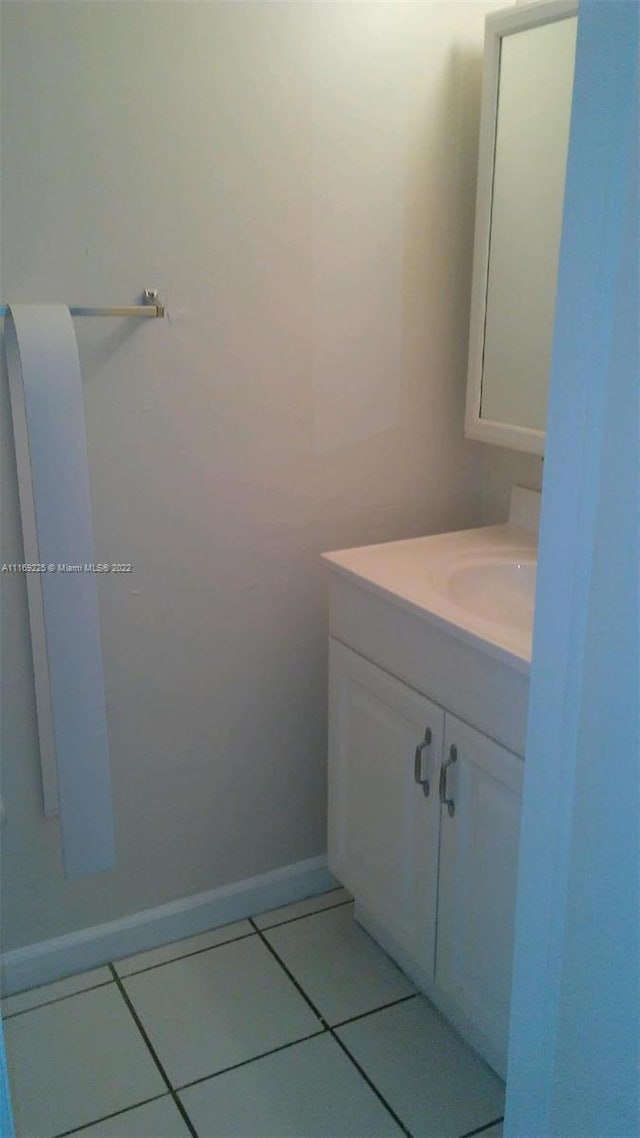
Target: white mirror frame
(502, 23)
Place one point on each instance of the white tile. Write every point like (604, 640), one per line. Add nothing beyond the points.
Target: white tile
(433, 1081)
(341, 969)
(130, 964)
(207, 1012)
(44, 994)
(75, 1061)
(302, 908)
(158, 1119)
(310, 1089)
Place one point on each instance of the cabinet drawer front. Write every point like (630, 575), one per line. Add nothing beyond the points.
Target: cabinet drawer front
(478, 880)
(383, 830)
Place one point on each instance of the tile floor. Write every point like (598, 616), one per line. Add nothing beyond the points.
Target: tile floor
(293, 1024)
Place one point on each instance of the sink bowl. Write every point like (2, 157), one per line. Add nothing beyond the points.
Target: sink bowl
(500, 589)
(478, 583)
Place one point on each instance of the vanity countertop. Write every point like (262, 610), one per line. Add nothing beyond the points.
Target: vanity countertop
(477, 584)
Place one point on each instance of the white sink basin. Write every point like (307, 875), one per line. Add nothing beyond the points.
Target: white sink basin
(501, 589)
(480, 582)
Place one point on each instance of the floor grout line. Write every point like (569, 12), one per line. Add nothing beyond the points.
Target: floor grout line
(56, 1000)
(372, 1011)
(371, 1084)
(247, 1062)
(331, 1032)
(108, 1117)
(302, 917)
(289, 973)
(324, 1029)
(182, 955)
(482, 1129)
(138, 1022)
(232, 940)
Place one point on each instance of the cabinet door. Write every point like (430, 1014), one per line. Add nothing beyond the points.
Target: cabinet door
(478, 870)
(383, 828)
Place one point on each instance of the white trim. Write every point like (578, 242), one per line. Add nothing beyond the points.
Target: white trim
(574, 1035)
(506, 21)
(88, 948)
(499, 24)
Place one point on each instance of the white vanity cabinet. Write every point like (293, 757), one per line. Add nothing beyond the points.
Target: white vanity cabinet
(429, 650)
(384, 815)
(424, 815)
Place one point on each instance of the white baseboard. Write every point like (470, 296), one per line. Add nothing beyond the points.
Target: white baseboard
(88, 948)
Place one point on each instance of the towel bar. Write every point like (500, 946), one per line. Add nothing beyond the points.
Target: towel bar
(151, 307)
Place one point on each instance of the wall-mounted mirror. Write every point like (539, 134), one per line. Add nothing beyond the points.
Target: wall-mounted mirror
(524, 134)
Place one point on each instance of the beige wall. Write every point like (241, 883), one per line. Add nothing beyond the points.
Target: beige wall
(503, 469)
(298, 180)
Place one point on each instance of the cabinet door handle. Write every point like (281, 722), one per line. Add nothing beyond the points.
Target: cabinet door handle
(448, 802)
(417, 763)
